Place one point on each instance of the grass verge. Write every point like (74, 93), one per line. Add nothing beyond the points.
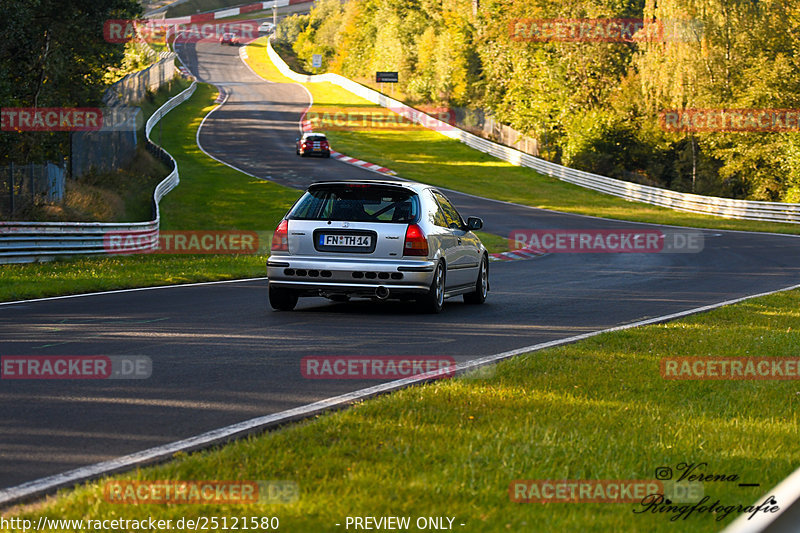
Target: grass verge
(57, 278)
(597, 409)
(424, 155)
(123, 195)
(211, 196)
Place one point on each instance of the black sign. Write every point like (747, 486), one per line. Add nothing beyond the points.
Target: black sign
(386, 77)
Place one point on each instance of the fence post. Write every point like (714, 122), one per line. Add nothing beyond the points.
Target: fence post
(31, 184)
(11, 187)
(68, 165)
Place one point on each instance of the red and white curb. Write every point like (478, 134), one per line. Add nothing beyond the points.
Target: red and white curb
(305, 125)
(517, 255)
(234, 11)
(363, 164)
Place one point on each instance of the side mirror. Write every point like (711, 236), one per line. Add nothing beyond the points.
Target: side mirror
(474, 223)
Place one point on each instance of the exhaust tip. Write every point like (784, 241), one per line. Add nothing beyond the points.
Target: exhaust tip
(381, 293)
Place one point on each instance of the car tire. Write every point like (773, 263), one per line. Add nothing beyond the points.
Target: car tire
(328, 155)
(481, 285)
(282, 299)
(433, 301)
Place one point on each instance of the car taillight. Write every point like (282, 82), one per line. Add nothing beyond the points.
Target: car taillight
(280, 239)
(416, 243)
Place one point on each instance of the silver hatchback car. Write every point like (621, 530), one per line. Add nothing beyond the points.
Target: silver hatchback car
(376, 239)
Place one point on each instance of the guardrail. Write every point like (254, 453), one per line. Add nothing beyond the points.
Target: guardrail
(693, 203)
(209, 16)
(25, 242)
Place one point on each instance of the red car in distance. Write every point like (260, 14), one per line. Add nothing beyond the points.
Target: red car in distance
(313, 144)
(230, 39)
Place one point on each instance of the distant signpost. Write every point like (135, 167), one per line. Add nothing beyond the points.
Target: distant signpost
(386, 77)
(316, 60)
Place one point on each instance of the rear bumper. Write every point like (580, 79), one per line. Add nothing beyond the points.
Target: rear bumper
(349, 276)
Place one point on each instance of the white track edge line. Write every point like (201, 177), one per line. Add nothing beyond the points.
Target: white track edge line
(32, 489)
(200, 128)
(132, 289)
(302, 117)
(311, 99)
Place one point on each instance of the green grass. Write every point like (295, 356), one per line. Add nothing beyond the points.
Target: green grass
(493, 243)
(598, 409)
(153, 101)
(90, 274)
(213, 196)
(122, 195)
(135, 183)
(429, 157)
(210, 196)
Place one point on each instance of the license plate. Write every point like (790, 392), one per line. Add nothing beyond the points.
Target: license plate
(346, 240)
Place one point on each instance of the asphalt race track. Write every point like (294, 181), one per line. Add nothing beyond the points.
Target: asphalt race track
(220, 356)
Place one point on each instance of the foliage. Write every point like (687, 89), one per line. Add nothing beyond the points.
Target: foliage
(592, 105)
(53, 54)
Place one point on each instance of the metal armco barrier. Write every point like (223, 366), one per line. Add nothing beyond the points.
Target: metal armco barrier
(226, 12)
(693, 203)
(25, 242)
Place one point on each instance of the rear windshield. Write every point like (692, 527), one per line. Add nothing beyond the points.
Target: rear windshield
(315, 138)
(361, 203)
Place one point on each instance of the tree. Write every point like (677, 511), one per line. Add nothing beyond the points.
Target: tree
(53, 54)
